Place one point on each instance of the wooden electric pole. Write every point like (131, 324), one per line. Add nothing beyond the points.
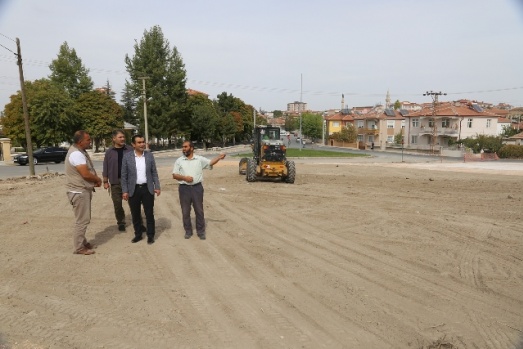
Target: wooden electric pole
(24, 107)
(434, 96)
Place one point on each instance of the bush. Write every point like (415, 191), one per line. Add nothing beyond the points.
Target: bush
(511, 151)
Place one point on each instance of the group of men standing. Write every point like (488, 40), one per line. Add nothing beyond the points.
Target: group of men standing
(130, 174)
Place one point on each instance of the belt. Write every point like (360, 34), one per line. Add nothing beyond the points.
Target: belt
(191, 185)
(141, 185)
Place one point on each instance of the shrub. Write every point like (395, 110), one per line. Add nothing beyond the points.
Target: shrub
(511, 151)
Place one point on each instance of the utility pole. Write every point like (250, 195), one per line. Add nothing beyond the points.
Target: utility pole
(434, 96)
(24, 107)
(300, 109)
(144, 96)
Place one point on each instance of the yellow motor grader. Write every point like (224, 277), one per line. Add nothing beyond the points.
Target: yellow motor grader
(269, 160)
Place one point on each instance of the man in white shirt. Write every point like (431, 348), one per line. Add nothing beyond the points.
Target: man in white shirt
(81, 178)
(139, 184)
(188, 171)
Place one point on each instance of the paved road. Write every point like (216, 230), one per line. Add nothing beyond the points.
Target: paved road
(167, 158)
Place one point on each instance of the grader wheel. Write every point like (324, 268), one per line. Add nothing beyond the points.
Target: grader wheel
(243, 166)
(251, 170)
(291, 172)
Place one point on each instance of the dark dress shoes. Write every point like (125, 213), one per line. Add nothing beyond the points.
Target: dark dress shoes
(136, 239)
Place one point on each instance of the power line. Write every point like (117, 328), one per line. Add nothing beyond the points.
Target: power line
(40, 63)
(7, 37)
(8, 49)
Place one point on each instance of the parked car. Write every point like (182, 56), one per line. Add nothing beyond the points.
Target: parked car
(48, 154)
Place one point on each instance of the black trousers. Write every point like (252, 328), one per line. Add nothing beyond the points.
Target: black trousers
(141, 197)
(192, 195)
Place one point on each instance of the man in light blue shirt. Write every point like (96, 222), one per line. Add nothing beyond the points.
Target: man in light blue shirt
(188, 171)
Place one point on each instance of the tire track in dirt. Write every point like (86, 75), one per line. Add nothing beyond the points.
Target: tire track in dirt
(414, 283)
(89, 316)
(330, 325)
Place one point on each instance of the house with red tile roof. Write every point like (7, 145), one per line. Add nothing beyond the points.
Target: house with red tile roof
(432, 128)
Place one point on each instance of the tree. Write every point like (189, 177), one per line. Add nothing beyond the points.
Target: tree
(50, 115)
(397, 104)
(100, 115)
(312, 125)
(482, 142)
(227, 128)
(204, 119)
(277, 113)
(129, 105)
(242, 114)
(167, 112)
(398, 138)
(509, 131)
(52, 120)
(68, 72)
(347, 134)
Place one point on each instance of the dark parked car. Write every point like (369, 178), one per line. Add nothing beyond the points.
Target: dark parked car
(49, 154)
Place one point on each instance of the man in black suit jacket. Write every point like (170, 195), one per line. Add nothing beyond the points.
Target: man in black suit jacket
(139, 184)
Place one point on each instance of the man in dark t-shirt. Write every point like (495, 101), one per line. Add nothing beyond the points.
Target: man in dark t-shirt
(112, 172)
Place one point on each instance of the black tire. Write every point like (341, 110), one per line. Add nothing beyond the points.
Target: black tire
(291, 172)
(57, 161)
(251, 170)
(243, 166)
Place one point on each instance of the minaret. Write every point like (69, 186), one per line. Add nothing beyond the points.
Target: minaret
(387, 100)
(342, 102)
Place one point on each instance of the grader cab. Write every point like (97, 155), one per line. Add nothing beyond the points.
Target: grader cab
(269, 157)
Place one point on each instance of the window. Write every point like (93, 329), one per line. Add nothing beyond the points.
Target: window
(402, 123)
(360, 123)
(413, 139)
(415, 122)
(360, 138)
(469, 123)
(390, 123)
(335, 124)
(488, 123)
(431, 123)
(371, 139)
(445, 123)
(390, 139)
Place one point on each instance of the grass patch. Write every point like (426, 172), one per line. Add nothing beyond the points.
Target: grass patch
(311, 153)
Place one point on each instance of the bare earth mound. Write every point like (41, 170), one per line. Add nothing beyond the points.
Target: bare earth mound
(364, 256)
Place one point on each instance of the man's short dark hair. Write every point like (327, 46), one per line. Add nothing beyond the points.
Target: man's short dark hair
(117, 132)
(191, 144)
(133, 140)
(79, 136)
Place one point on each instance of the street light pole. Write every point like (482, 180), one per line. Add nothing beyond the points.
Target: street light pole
(300, 109)
(434, 96)
(144, 96)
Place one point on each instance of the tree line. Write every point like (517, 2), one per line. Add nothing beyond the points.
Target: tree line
(66, 101)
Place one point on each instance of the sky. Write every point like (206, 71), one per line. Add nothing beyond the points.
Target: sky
(273, 52)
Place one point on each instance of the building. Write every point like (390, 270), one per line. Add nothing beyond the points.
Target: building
(296, 107)
(436, 126)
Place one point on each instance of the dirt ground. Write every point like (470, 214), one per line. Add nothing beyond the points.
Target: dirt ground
(352, 255)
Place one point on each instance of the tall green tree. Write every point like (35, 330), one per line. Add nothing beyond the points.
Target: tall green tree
(312, 125)
(204, 119)
(51, 111)
(100, 115)
(129, 105)
(242, 113)
(165, 74)
(68, 72)
(50, 115)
